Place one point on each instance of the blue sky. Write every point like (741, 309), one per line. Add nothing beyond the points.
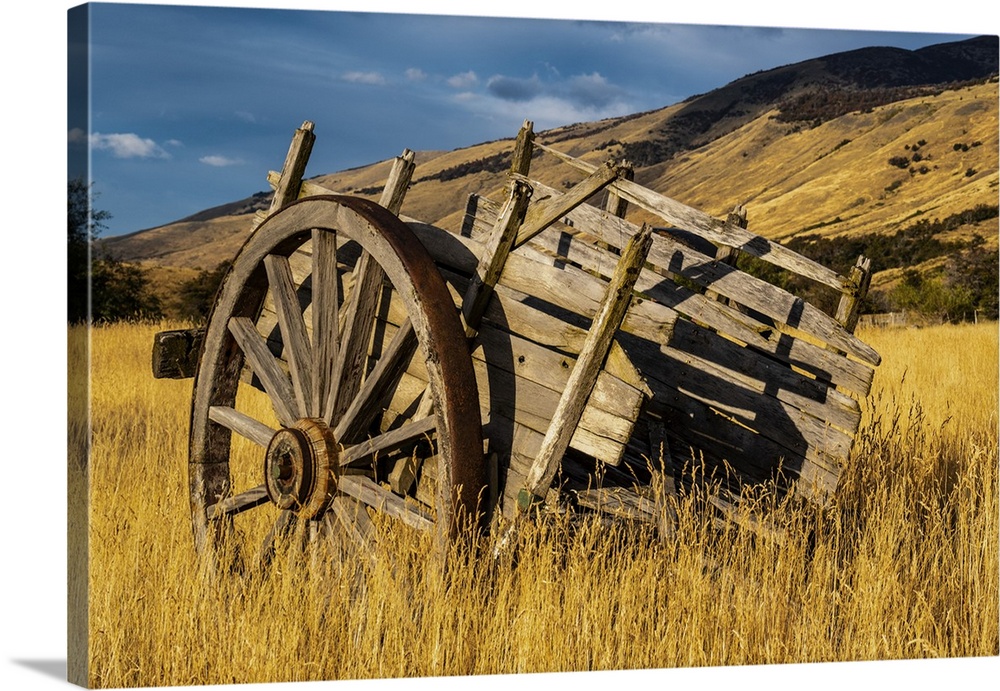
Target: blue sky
(190, 106)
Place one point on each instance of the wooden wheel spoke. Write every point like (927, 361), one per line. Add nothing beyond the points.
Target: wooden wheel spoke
(366, 490)
(383, 378)
(325, 316)
(352, 519)
(281, 528)
(242, 424)
(359, 321)
(389, 441)
(293, 328)
(266, 367)
(239, 503)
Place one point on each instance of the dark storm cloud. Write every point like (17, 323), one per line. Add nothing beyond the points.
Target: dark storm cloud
(514, 89)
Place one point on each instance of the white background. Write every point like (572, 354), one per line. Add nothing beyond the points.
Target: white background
(33, 561)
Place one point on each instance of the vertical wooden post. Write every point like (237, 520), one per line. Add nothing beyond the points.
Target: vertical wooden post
(850, 303)
(290, 182)
(729, 255)
(524, 147)
(398, 182)
(581, 380)
(615, 205)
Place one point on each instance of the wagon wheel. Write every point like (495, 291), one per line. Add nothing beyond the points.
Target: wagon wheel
(325, 460)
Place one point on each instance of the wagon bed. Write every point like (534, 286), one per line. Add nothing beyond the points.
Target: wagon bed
(608, 357)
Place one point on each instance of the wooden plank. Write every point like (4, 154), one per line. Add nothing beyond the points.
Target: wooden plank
(676, 259)
(324, 318)
(619, 501)
(717, 437)
(494, 255)
(712, 229)
(700, 348)
(545, 212)
(585, 372)
(753, 292)
(765, 414)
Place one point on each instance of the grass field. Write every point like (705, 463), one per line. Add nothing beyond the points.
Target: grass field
(904, 564)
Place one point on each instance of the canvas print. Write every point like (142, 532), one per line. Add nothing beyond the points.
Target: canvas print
(410, 346)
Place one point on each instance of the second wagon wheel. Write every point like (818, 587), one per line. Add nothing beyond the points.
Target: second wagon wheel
(374, 383)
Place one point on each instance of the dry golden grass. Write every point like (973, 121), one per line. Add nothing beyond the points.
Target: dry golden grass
(903, 565)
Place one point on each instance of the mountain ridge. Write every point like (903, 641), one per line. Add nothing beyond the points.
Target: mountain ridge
(805, 146)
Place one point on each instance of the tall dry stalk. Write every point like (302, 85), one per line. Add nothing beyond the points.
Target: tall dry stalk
(902, 564)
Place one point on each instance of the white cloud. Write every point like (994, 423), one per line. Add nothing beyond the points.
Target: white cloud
(220, 161)
(246, 116)
(415, 74)
(463, 80)
(364, 78)
(123, 145)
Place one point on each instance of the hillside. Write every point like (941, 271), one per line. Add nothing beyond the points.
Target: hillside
(851, 145)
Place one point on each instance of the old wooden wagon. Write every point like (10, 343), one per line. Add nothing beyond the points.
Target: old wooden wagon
(548, 353)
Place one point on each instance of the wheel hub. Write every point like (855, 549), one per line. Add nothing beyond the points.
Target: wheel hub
(300, 467)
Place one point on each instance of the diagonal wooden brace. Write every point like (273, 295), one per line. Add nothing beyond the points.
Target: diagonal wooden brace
(491, 263)
(581, 381)
(547, 212)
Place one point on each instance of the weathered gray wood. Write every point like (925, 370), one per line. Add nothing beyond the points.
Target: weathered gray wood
(723, 441)
(359, 317)
(298, 351)
(175, 353)
(544, 213)
(523, 149)
(494, 255)
(849, 308)
(615, 205)
(725, 254)
(239, 503)
(383, 378)
(404, 473)
(325, 319)
(407, 434)
(398, 182)
(619, 501)
(288, 184)
(354, 520)
(363, 300)
(675, 259)
(263, 364)
(712, 229)
(366, 490)
(241, 423)
(753, 292)
(584, 375)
